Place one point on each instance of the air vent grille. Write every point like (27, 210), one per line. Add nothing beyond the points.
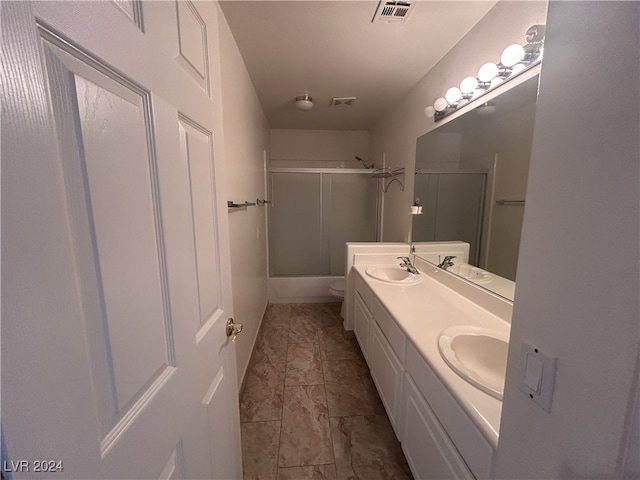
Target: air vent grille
(393, 12)
(342, 101)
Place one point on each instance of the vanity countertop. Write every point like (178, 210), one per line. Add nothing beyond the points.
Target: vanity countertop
(423, 311)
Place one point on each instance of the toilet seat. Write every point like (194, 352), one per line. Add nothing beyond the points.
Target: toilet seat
(337, 288)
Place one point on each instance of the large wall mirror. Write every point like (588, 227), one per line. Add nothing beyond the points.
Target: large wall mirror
(471, 178)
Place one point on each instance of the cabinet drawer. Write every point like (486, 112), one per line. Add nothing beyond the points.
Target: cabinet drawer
(428, 449)
(390, 328)
(365, 292)
(474, 448)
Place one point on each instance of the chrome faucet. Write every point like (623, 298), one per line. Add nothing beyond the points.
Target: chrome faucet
(446, 263)
(406, 263)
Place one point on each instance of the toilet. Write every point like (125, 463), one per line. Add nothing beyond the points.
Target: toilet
(337, 290)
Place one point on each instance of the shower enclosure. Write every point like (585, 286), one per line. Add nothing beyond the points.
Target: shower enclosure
(313, 213)
(453, 206)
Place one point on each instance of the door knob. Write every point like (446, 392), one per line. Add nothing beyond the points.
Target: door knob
(233, 329)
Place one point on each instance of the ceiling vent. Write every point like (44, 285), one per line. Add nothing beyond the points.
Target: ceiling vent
(342, 101)
(393, 12)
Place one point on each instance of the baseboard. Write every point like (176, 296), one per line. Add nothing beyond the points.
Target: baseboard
(302, 289)
(251, 360)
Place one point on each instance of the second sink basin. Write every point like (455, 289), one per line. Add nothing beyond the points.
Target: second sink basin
(475, 274)
(393, 274)
(479, 355)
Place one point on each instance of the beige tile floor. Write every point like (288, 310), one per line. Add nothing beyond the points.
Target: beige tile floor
(309, 409)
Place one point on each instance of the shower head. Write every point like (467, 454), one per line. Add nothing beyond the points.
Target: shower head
(366, 164)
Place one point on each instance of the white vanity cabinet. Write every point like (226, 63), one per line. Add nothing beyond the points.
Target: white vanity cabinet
(362, 326)
(460, 430)
(438, 438)
(429, 451)
(383, 345)
(387, 372)
(362, 317)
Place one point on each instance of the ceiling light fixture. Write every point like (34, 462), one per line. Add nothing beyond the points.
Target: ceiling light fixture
(304, 102)
(514, 60)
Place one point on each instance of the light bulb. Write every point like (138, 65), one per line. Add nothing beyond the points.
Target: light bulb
(496, 81)
(468, 85)
(440, 104)
(453, 95)
(512, 55)
(518, 68)
(429, 111)
(487, 72)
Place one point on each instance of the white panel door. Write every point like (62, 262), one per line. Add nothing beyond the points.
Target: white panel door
(115, 255)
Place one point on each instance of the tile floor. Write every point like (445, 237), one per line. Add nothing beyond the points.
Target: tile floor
(309, 409)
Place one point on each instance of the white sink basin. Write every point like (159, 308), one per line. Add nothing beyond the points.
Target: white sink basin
(393, 274)
(475, 274)
(479, 355)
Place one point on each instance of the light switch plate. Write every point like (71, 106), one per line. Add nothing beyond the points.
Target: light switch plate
(537, 369)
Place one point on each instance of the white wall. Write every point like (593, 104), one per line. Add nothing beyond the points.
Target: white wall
(246, 139)
(395, 134)
(318, 148)
(577, 295)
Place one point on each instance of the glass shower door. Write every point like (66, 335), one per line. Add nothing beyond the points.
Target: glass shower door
(313, 214)
(295, 225)
(453, 205)
(352, 213)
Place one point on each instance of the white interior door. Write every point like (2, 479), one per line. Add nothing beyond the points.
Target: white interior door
(115, 255)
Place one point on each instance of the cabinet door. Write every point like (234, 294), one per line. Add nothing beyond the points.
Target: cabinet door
(361, 326)
(387, 372)
(428, 449)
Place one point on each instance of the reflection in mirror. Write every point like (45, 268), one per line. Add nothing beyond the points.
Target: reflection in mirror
(471, 178)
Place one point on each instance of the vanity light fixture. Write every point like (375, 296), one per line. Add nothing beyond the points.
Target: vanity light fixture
(487, 72)
(453, 95)
(440, 104)
(439, 107)
(514, 60)
(304, 102)
(468, 86)
(512, 55)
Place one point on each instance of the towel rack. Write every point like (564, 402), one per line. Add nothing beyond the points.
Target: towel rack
(231, 204)
(385, 173)
(509, 202)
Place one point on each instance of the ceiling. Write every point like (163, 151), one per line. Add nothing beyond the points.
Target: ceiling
(333, 49)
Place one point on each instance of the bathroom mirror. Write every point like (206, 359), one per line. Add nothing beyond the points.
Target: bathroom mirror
(471, 178)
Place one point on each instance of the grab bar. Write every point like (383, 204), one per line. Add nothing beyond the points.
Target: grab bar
(509, 202)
